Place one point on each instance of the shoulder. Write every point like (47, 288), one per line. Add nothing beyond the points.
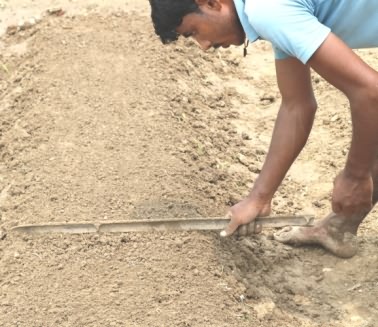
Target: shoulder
(271, 14)
(290, 25)
(255, 8)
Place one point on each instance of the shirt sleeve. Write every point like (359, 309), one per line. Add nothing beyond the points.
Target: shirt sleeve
(290, 26)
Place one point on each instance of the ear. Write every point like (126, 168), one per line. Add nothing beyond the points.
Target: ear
(210, 4)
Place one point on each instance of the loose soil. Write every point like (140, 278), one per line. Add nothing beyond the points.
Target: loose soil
(100, 122)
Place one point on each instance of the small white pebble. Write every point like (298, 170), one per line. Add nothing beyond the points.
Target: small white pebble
(32, 21)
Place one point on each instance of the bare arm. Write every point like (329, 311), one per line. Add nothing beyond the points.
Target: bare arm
(293, 125)
(340, 66)
(292, 128)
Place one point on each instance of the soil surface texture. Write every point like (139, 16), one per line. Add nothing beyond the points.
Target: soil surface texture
(100, 122)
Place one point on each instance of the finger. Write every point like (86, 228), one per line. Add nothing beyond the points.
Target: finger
(242, 230)
(251, 228)
(230, 228)
(258, 228)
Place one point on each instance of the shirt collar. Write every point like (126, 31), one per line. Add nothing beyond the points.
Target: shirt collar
(251, 34)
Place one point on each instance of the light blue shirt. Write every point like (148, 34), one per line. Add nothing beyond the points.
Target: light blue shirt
(297, 28)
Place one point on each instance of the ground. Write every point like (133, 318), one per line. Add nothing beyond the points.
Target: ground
(100, 122)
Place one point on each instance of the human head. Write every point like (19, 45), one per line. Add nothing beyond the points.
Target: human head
(212, 23)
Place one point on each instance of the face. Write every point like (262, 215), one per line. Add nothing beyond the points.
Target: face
(216, 25)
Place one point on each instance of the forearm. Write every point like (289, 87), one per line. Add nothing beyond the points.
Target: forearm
(291, 131)
(364, 146)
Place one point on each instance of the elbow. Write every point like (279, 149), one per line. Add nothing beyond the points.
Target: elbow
(308, 107)
(301, 115)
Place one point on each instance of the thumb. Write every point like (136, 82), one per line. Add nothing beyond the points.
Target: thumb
(230, 228)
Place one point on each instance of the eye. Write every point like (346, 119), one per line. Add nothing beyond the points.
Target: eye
(188, 34)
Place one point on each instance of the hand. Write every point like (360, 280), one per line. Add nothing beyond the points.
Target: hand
(352, 195)
(244, 213)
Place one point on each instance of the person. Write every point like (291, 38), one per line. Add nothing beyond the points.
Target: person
(305, 34)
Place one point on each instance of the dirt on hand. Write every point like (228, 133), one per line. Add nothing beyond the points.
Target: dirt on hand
(98, 122)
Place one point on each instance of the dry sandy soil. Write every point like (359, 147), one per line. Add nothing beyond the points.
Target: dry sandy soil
(99, 121)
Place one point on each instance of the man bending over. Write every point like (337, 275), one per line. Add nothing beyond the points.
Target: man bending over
(305, 34)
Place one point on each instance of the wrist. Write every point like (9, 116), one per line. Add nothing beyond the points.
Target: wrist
(355, 171)
(260, 195)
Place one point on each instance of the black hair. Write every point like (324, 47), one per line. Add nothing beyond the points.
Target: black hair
(167, 15)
